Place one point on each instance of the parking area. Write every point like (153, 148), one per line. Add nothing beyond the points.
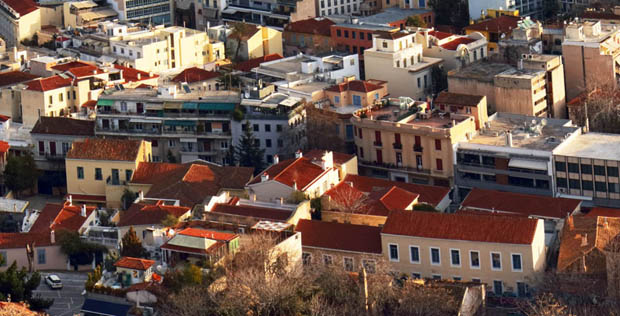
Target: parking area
(69, 299)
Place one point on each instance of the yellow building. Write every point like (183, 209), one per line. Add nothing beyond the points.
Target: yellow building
(166, 48)
(19, 20)
(95, 166)
(403, 140)
(256, 41)
(503, 252)
(493, 29)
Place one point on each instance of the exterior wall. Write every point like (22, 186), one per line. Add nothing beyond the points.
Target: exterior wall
(13, 31)
(324, 183)
(525, 96)
(54, 258)
(350, 167)
(356, 219)
(10, 101)
(306, 43)
(572, 183)
(587, 69)
(345, 98)
(479, 112)
(270, 191)
(61, 145)
(290, 246)
(137, 276)
(51, 14)
(337, 257)
(305, 9)
(532, 259)
(351, 39)
(329, 7)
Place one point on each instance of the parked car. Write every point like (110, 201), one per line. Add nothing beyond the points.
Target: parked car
(53, 281)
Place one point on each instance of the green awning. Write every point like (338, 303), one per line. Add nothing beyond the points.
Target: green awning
(172, 105)
(104, 102)
(216, 106)
(190, 105)
(179, 123)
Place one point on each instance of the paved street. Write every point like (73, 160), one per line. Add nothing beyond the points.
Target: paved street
(69, 299)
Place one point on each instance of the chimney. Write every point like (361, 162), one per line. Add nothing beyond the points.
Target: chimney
(140, 195)
(139, 76)
(453, 122)
(264, 177)
(253, 197)
(298, 154)
(95, 72)
(584, 240)
(571, 224)
(70, 199)
(83, 210)
(509, 138)
(281, 201)
(52, 236)
(295, 185)
(15, 208)
(276, 159)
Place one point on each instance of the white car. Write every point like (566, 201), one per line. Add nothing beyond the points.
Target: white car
(53, 281)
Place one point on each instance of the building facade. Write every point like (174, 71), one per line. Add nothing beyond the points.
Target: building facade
(19, 20)
(154, 12)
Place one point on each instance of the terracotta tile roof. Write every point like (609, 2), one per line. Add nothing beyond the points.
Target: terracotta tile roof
(502, 24)
(14, 77)
(71, 65)
(450, 98)
(134, 263)
(299, 171)
(60, 216)
(394, 198)
(145, 214)
(63, 126)
(20, 240)
(195, 74)
(88, 198)
(253, 211)
(377, 203)
(432, 195)
(4, 118)
(193, 250)
(4, 147)
(454, 44)
(354, 85)
(191, 183)
(479, 228)
(247, 66)
(516, 203)
(209, 234)
(347, 237)
(131, 74)
(91, 104)
(49, 83)
(603, 211)
(315, 26)
(391, 35)
(105, 149)
(85, 71)
(339, 158)
(440, 35)
(22, 7)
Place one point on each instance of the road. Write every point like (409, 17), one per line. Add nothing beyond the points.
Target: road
(68, 300)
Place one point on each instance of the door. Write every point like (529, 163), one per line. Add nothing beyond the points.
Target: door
(379, 156)
(399, 159)
(53, 149)
(418, 161)
(497, 287)
(139, 107)
(115, 177)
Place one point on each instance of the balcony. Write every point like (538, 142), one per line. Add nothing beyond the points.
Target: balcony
(377, 144)
(391, 166)
(115, 181)
(397, 145)
(417, 148)
(50, 156)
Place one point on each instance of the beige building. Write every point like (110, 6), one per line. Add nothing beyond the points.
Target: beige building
(554, 77)
(82, 13)
(19, 20)
(403, 140)
(397, 58)
(256, 41)
(465, 104)
(505, 252)
(96, 166)
(455, 50)
(166, 48)
(591, 52)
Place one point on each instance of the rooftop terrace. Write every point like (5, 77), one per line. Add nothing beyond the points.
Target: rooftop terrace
(592, 145)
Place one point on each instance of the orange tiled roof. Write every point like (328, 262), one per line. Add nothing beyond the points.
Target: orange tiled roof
(354, 85)
(378, 202)
(454, 44)
(134, 263)
(85, 71)
(603, 211)
(22, 7)
(20, 240)
(195, 74)
(247, 66)
(4, 147)
(105, 149)
(502, 24)
(480, 228)
(71, 65)
(64, 126)
(209, 234)
(61, 216)
(131, 74)
(15, 77)
(337, 236)
(316, 26)
(253, 211)
(299, 171)
(144, 214)
(49, 83)
(440, 35)
(339, 158)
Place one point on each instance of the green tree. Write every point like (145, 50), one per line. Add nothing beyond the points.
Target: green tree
(20, 173)
(19, 284)
(415, 21)
(551, 8)
(450, 12)
(439, 79)
(131, 245)
(93, 278)
(79, 251)
(192, 275)
(127, 198)
(248, 152)
(238, 33)
(170, 220)
(228, 81)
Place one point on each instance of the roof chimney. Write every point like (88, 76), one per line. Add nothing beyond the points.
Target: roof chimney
(509, 138)
(140, 195)
(298, 154)
(139, 76)
(83, 210)
(281, 201)
(295, 185)
(571, 224)
(264, 177)
(276, 159)
(70, 199)
(52, 236)
(584, 240)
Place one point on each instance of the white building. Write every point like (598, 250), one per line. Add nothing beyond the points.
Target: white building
(455, 50)
(144, 11)
(345, 7)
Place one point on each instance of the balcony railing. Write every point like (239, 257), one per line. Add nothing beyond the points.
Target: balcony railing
(417, 148)
(115, 181)
(394, 167)
(397, 145)
(377, 144)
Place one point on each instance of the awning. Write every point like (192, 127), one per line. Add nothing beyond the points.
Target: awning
(138, 120)
(180, 123)
(172, 105)
(527, 164)
(189, 140)
(216, 106)
(154, 106)
(190, 105)
(104, 102)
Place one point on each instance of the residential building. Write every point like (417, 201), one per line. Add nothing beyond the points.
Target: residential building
(13, 212)
(345, 163)
(525, 39)
(397, 58)
(404, 140)
(197, 79)
(15, 138)
(355, 37)
(327, 7)
(165, 48)
(609, 15)
(586, 166)
(134, 270)
(248, 65)
(512, 153)
(184, 126)
(508, 89)
(591, 52)
(19, 21)
(255, 41)
(504, 252)
(474, 105)
(198, 15)
(552, 38)
(269, 13)
(310, 36)
(95, 166)
(352, 247)
(9, 82)
(53, 137)
(493, 29)
(194, 245)
(156, 12)
(455, 50)
(83, 13)
(148, 214)
(283, 178)
(397, 16)
(556, 93)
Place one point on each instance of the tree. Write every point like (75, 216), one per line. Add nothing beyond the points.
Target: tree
(599, 107)
(93, 278)
(228, 80)
(128, 198)
(323, 130)
(451, 12)
(415, 21)
(131, 245)
(192, 275)
(551, 9)
(439, 78)
(248, 152)
(80, 252)
(20, 173)
(18, 284)
(170, 220)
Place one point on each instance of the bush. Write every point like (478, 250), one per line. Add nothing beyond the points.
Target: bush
(39, 304)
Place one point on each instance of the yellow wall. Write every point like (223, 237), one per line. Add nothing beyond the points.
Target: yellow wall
(29, 24)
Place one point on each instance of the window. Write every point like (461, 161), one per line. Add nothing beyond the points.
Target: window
(256, 127)
(586, 185)
(257, 142)
(612, 171)
(498, 287)
(419, 85)
(267, 127)
(384, 44)
(352, 33)
(171, 143)
(599, 170)
(516, 262)
(51, 98)
(425, 81)
(456, 278)
(338, 33)
(573, 167)
(5, 259)
(587, 169)
(562, 183)
(362, 35)
(416, 275)
(574, 184)
(80, 172)
(306, 258)
(123, 106)
(357, 100)
(280, 143)
(600, 186)
(613, 187)
(41, 256)
(98, 174)
(436, 276)
(268, 143)
(521, 289)
(455, 257)
(278, 127)
(437, 144)
(475, 280)
(41, 148)
(439, 164)
(435, 256)
(348, 264)
(496, 261)
(393, 252)
(414, 254)
(346, 34)
(128, 174)
(474, 259)
(327, 260)
(61, 97)
(369, 265)
(337, 99)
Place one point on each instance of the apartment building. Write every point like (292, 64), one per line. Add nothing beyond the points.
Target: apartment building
(53, 137)
(587, 166)
(554, 77)
(83, 13)
(455, 50)
(165, 48)
(524, 39)
(309, 36)
(154, 12)
(464, 104)
(591, 53)
(511, 153)
(493, 29)
(95, 166)
(508, 89)
(335, 7)
(181, 126)
(404, 140)
(397, 58)
(505, 252)
(355, 37)
(269, 13)
(19, 20)
(255, 41)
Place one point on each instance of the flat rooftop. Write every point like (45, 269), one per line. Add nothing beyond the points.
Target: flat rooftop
(527, 131)
(480, 71)
(594, 146)
(366, 26)
(404, 115)
(151, 95)
(521, 73)
(391, 15)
